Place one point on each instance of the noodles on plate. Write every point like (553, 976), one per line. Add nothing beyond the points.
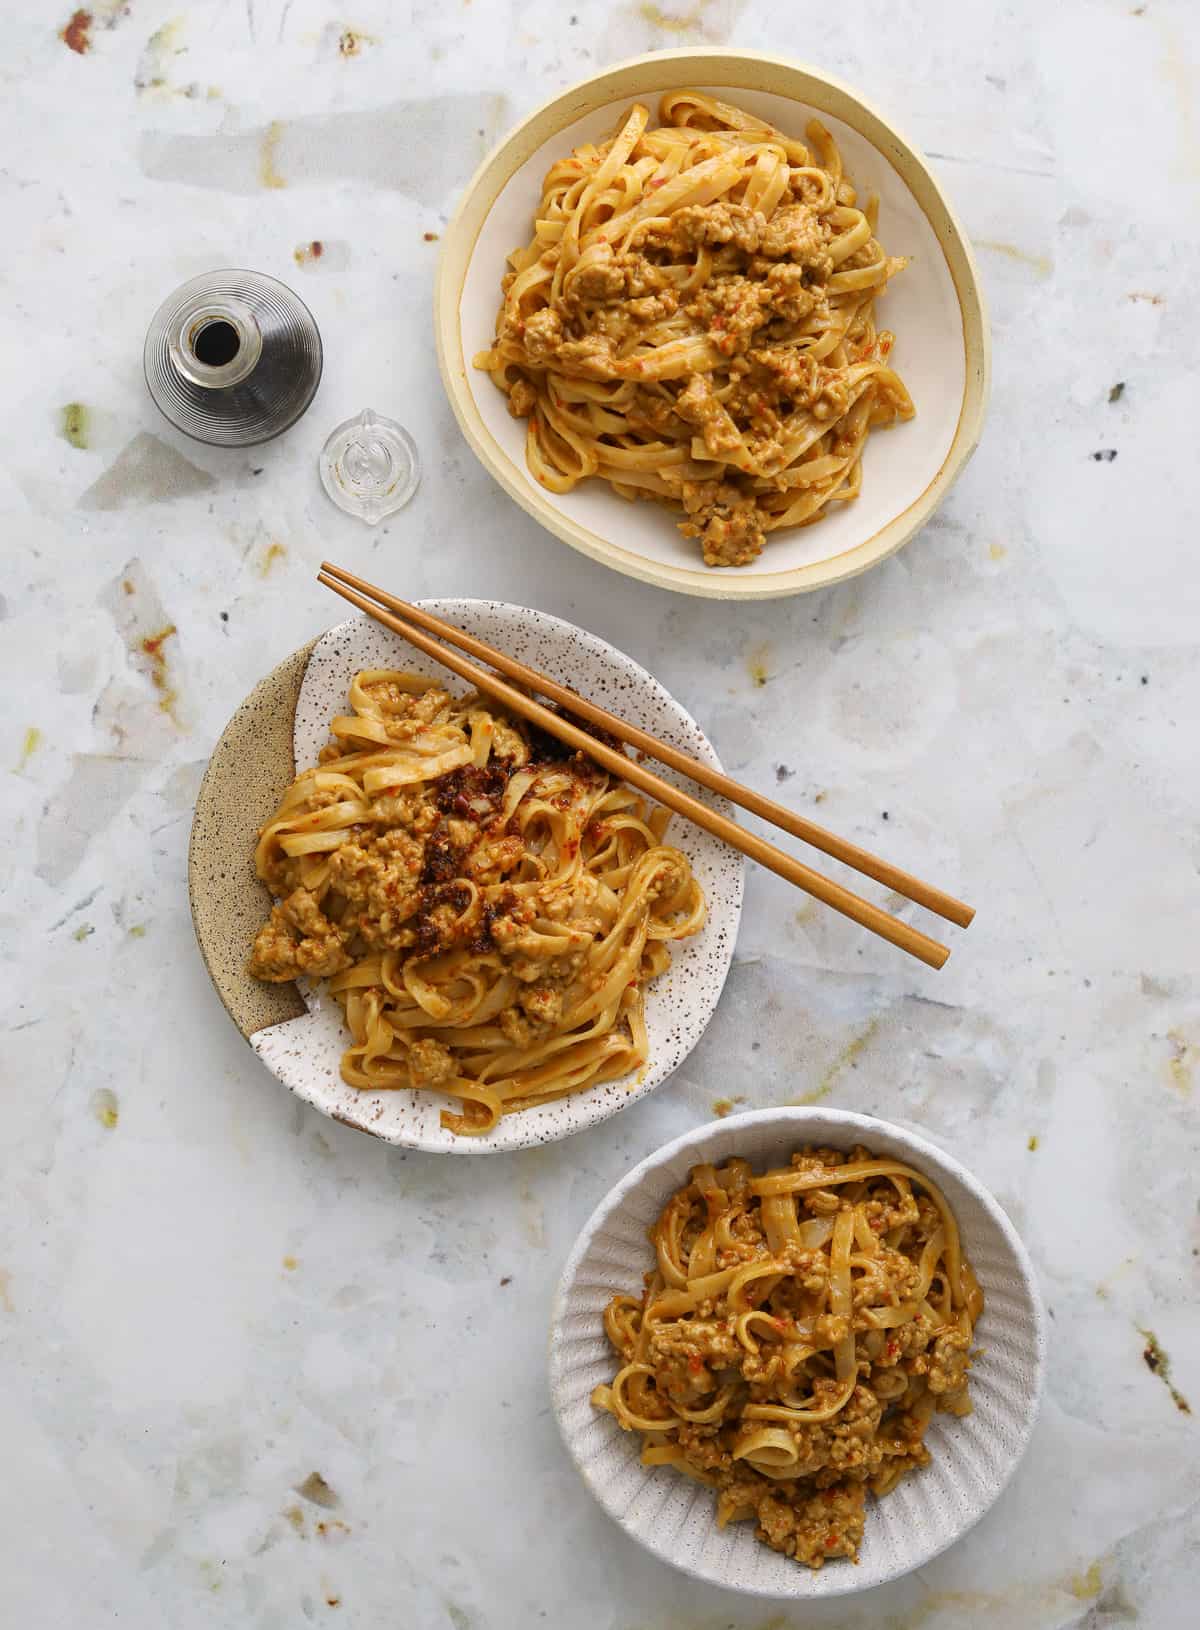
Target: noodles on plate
(488, 909)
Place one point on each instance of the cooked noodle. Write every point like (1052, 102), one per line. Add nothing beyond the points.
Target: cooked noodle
(694, 322)
(797, 1335)
(487, 908)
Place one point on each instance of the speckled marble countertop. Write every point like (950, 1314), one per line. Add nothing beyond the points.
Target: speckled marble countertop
(208, 1293)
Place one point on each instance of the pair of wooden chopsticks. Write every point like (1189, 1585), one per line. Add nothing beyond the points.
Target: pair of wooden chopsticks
(409, 620)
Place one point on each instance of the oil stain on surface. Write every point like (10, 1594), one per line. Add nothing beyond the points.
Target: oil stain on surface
(532, 1218)
(687, 22)
(268, 170)
(144, 626)
(30, 743)
(273, 552)
(73, 425)
(152, 649)
(106, 1108)
(1041, 264)
(351, 42)
(318, 1492)
(1159, 1364)
(1088, 1585)
(1183, 1057)
(845, 1060)
(152, 69)
(758, 665)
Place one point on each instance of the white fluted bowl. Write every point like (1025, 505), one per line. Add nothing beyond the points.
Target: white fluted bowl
(675, 1518)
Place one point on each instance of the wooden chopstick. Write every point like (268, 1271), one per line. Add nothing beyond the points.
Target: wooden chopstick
(901, 882)
(850, 905)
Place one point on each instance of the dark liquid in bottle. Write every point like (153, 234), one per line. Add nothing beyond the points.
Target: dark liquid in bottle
(216, 344)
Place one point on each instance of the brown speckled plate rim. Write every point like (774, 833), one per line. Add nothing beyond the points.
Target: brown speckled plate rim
(251, 766)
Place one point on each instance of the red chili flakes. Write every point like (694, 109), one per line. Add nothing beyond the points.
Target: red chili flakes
(695, 1364)
(831, 1542)
(76, 33)
(153, 643)
(152, 646)
(430, 237)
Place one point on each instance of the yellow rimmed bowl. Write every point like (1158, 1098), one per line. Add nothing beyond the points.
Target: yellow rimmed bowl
(935, 308)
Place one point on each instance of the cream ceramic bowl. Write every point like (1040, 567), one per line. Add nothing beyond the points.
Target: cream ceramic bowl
(674, 1517)
(935, 308)
(299, 1033)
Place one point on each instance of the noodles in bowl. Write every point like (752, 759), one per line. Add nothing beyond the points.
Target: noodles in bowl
(723, 1190)
(799, 1333)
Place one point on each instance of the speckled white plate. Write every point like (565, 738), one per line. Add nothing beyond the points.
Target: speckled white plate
(305, 1052)
(672, 1516)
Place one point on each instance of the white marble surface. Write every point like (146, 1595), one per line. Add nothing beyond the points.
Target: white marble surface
(206, 1292)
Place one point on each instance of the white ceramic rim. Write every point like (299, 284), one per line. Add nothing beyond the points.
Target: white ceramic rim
(599, 1102)
(858, 1129)
(733, 70)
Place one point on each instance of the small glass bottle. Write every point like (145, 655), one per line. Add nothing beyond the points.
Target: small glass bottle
(233, 358)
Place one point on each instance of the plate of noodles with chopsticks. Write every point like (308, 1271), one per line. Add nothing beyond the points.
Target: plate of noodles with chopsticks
(797, 1353)
(711, 320)
(438, 924)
